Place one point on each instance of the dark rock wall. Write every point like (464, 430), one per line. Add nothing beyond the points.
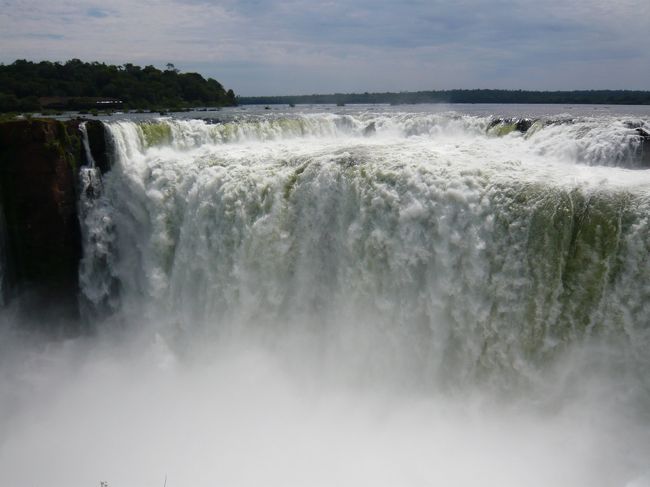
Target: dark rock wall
(39, 161)
(98, 145)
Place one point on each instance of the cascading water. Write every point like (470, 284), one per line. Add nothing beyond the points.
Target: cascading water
(96, 231)
(469, 251)
(385, 298)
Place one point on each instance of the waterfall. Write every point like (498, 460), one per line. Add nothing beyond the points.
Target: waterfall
(96, 234)
(456, 254)
(357, 298)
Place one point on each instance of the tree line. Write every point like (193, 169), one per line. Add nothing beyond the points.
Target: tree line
(30, 86)
(605, 97)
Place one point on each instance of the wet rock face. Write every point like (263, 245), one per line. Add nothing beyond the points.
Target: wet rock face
(519, 124)
(370, 129)
(212, 121)
(523, 125)
(98, 146)
(642, 133)
(644, 147)
(39, 162)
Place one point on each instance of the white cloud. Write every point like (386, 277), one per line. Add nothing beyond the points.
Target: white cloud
(262, 46)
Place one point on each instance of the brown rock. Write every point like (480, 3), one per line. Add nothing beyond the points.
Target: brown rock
(39, 162)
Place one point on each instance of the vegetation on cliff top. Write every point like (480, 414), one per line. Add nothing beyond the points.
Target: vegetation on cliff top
(606, 97)
(29, 86)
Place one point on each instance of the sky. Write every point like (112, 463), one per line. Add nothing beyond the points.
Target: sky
(267, 47)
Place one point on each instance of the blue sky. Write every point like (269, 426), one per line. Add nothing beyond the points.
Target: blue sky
(304, 46)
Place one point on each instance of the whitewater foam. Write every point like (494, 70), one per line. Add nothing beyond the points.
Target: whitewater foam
(471, 251)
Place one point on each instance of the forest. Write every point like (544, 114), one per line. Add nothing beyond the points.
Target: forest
(27, 86)
(606, 97)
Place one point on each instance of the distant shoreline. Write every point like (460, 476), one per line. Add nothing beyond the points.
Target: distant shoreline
(581, 97)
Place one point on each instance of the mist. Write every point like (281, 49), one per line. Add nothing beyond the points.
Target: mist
(131, 411)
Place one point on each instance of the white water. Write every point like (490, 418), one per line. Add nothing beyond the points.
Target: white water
(287, 301)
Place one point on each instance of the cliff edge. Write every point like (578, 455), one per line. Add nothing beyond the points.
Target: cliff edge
(39, 226)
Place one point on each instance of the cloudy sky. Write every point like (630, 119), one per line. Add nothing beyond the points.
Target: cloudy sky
(264, 47)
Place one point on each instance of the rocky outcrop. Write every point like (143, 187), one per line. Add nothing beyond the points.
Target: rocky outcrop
(39, 162)
(644, 147)
(212, 121)
(370, 129)
(523, 125)
(98, 146)
(504, 126)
